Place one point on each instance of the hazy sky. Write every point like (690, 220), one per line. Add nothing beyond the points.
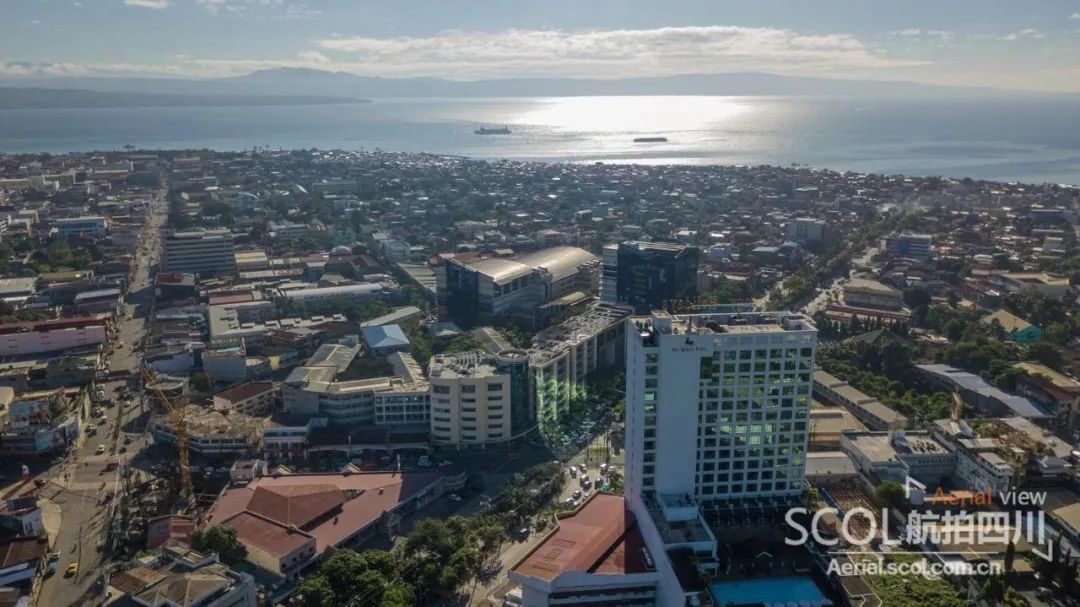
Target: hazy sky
(1021, 44)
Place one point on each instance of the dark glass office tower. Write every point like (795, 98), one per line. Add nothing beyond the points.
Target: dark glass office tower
(646, 274)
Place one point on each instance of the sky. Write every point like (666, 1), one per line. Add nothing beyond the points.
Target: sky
(1011, 44)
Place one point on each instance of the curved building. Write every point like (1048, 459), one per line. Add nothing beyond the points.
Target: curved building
(530, 289)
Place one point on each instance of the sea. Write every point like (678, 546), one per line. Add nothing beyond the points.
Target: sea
(1029, 139)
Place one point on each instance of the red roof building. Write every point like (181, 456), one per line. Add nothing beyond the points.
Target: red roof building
(596, 551)
(288, 521)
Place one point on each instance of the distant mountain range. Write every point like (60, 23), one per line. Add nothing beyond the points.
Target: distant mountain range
(307, 86)
(42, 97)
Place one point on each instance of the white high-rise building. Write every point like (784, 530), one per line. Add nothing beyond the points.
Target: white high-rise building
(718, 405)
(717, 414)
(200, 252)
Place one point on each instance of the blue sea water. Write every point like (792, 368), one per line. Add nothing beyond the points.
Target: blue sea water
(1024, 139)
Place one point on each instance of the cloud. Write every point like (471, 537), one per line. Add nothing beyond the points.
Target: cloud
(154, 4)
(313, 57)
(1028, 33)
(611, 53)
(1074, 17)
(31, 68)
(236, 7)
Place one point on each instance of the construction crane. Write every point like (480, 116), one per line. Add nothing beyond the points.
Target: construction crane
(187, 490)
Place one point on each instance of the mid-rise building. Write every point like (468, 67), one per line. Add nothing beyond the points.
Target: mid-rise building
(643, 275)
(319, 298)
(395, 401)
(254, 398)
(58, 335)
(563, 356)
(863, 293)
(470, 400)
(473, 290)
(69, 227)
(897, 455)
(200, 252)
(910, 244)
(806, 229)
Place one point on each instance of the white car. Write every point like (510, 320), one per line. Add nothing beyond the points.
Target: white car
(100, 449)
(454, 497)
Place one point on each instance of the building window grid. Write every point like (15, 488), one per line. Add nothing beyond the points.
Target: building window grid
(761, 372)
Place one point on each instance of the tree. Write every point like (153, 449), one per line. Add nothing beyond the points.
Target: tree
(316, 592)
(222, 540)
(1045, 353)
(1058, 333)
(890, 494)
(397, 596)
(954, 329)
(994, 589)
(916, 296)
(463, 343)
(58, 253)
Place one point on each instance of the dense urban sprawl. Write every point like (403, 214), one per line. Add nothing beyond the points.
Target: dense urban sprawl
(327, 378)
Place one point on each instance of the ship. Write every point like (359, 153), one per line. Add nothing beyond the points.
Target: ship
(650, 139)
(496, 131)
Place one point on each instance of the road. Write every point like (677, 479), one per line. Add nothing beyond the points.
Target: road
(491, 592)
(80, 484)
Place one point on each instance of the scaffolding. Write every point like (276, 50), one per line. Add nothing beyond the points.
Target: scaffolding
(187, 490)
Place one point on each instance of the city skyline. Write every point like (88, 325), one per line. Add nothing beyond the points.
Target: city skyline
(986, 44)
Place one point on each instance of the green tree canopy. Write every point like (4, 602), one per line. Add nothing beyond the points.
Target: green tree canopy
(222, 540)
(889, 494)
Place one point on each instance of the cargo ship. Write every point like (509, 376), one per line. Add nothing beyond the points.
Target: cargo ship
(497, 131)
(650, 139)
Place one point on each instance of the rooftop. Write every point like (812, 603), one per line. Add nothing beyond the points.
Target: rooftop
(245, 391)
(462, 364)
(964, 380)
(559, 261)
(385, 336)
(550, 342)
(354, 500)
(599, 537)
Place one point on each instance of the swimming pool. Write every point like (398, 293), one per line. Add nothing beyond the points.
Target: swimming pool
(768, 591)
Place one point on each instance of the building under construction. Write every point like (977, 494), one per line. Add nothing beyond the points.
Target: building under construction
(213, 434)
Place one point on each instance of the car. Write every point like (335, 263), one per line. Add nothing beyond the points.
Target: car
(577, 494)
(603, 468)
(100, 449)
(454, 497)
(56, 460)
(123, 449)
(51, 570)
(39, 482)
(72, 569)
(55, 556)
(573, 472)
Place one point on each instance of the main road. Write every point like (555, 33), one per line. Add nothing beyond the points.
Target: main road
(82, 484)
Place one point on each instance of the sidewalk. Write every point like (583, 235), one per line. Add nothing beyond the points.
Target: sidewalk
(51, 517)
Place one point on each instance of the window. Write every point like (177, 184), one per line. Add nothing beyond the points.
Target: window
(494, 387)
(468, 389)
(437, 389)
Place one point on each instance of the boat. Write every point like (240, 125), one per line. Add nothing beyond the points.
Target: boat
(650, 139)
(496, 131)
